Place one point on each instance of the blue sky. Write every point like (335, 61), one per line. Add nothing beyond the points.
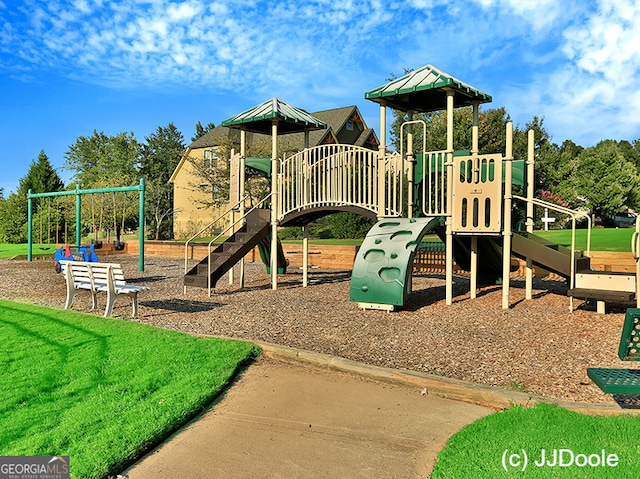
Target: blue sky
(69, 67)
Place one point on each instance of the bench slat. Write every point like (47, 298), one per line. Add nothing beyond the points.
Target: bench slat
(99, 277)
(616, 381)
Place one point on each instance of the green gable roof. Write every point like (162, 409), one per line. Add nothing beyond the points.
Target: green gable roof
(424, 90)
(259, 118)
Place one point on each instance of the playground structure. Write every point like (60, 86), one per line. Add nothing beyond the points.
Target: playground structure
(463, 196)
(85, 252)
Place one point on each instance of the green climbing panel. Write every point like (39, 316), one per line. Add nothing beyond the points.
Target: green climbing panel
(381, 276)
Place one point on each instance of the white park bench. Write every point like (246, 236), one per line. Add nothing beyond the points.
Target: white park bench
(96, 278)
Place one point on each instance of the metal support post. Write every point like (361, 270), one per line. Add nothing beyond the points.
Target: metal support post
(241, 189)
(412, 163)
(29, 227)
(508, 198)
(381, 160)
(530, 209)
(449, 225)
(474, 239)
(78, 213)
(305, 255)
(141, 223)
(274, 204)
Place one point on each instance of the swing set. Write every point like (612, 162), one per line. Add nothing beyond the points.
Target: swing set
(118, 227)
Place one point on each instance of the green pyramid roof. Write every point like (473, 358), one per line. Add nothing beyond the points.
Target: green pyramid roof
(290, 119)
(424, 90)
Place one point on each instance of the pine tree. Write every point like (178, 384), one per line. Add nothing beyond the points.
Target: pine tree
(41, 177)
(202, 130)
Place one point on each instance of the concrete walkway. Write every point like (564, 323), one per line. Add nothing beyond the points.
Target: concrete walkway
(285, 418)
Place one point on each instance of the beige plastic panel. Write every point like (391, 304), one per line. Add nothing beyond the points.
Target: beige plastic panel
(606, 281)
(477, 194)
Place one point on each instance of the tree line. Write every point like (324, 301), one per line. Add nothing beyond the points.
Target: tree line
(101, 161)
(604, 178)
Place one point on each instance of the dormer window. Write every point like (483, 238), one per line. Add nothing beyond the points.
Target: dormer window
(350, 125)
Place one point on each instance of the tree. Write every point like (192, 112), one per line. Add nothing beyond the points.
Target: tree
(491, 130)
(554, 165)
(13, 219)
(104, 160)
(213, 176)
(631, 152)
(602, 179)
(161, 153)
(348, 225)
(40, 178)
(636, 146)
(202, 130)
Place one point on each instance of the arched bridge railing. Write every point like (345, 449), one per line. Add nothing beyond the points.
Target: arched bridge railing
(340, 175)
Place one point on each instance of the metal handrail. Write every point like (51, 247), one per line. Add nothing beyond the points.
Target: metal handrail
(230, 227)
(574, 214)
(635, 249)
(186, 245)
(411, 158)
(315, 165)
(635, 244)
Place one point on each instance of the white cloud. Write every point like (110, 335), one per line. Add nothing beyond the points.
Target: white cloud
(541, 14)
(595, 90)
(183, 11)
(567, 61)
(82, 6)
(609, 41)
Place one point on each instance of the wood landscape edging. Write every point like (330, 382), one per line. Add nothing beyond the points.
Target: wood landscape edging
(342, 256)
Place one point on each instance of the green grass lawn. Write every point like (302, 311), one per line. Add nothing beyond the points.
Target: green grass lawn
(477, 451)
(602, 239)
(102, 391)
(11, 250)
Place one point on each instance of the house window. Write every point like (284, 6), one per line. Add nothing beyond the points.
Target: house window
(210, 158)
(350, 125)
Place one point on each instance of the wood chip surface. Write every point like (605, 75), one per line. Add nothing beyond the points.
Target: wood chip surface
(535, 346)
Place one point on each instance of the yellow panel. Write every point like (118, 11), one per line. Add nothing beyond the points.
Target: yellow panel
(477, 194)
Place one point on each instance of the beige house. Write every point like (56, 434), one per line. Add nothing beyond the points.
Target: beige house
(191, 191)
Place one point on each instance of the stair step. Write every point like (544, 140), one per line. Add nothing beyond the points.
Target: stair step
(195, 281)
(231, 247)
(602, 295)
(216, 261)
(226, 255)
